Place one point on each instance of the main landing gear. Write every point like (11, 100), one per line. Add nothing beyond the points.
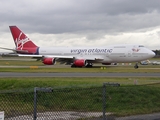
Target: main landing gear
(89, 65)
(136, 66)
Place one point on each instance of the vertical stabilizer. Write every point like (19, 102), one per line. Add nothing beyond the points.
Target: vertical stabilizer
(21, 41)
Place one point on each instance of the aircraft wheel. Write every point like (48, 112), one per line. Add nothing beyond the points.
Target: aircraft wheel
(73, 66)
(89, 65)
(136, 66)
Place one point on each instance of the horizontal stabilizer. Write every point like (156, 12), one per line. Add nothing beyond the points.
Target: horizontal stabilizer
(21, 51)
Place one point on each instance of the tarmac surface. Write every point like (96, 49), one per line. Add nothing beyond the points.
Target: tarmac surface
(18, 74)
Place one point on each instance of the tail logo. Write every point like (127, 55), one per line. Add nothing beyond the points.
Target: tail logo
(21, 42)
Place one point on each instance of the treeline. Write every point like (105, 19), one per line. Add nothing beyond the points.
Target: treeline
(157, 52)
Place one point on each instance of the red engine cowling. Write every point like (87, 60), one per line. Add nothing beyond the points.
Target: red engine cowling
(49, 61)
(80, 63)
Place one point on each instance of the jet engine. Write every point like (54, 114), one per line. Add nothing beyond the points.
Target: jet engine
(79, 63)
(49, 61)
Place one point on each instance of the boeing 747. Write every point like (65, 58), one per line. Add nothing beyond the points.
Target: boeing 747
(79, 56)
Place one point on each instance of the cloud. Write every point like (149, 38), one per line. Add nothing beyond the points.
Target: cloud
(90, 22)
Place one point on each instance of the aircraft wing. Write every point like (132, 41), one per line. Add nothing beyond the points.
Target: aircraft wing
(68, 60)
(60, 57)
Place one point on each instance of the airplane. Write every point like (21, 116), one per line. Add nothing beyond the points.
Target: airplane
(78, 56)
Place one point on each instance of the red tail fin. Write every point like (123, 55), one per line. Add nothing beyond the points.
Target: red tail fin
(21, 41)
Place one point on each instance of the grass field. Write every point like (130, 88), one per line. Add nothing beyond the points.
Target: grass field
(19, 83)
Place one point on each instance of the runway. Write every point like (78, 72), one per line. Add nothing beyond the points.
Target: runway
(18, 74)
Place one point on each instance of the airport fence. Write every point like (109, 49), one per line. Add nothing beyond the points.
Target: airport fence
(52, 104)
(79, 103)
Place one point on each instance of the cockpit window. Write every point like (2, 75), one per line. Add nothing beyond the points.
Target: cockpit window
(141, 46)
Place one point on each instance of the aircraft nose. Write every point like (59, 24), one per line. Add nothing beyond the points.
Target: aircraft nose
(151, 54)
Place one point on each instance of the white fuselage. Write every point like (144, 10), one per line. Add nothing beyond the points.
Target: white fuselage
(113, 53)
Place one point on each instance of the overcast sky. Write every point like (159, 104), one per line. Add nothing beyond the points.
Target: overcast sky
(82, 22)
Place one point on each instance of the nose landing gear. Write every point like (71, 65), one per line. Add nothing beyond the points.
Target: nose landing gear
(136, 66)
